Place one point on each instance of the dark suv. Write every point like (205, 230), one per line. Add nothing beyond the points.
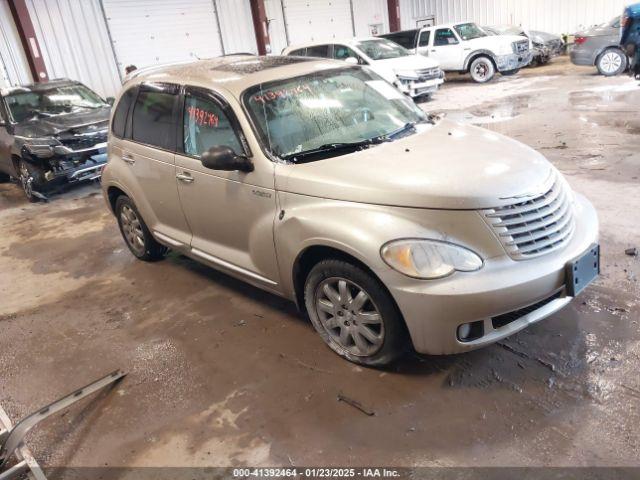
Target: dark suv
(52, 134)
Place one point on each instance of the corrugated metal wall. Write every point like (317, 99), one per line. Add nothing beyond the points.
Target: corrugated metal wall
(277, 32)
(554, 16)
(14, 68)
(236, 24)
(75, 43)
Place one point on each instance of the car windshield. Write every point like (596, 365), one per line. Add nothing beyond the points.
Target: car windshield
(25, 104)
(382, 49)
(319, 114)
(469, 31)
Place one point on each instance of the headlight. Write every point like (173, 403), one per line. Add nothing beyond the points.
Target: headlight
(429, 259)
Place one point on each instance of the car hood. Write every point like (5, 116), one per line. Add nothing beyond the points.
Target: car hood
(492, 40)
(544, 37)
(446, 166)
(410, 62)
(50, 126)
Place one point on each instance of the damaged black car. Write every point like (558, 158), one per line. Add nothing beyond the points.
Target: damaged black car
(52, 135)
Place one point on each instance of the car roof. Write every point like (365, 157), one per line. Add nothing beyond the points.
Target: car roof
(232, 73)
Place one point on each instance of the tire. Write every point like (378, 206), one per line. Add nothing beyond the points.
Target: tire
(378, 341)
(482, 70)
(612, 62)
(508, 73)
(135, 232)
(29, 177)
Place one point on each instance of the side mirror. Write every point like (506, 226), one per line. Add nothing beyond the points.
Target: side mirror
(222, 157)
(351, 60)
(111, 101)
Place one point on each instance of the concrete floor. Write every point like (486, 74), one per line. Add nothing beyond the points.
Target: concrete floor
(223, 374)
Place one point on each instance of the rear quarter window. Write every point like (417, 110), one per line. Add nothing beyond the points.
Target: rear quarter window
(406, 39)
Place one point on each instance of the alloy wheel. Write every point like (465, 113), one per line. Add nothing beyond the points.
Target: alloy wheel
(132, 229)
(349, 316)
(611, 62)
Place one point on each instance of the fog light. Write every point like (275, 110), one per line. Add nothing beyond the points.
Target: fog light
(467, 332)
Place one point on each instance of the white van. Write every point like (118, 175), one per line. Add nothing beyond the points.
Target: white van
(414, 75)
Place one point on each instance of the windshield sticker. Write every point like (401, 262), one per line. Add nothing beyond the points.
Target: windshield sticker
(271, 95)
(384, 89)
(202, 117)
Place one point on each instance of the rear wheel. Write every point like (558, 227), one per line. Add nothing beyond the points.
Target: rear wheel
(482, 70)
(612, 62)
(135, 232)
(354, 314)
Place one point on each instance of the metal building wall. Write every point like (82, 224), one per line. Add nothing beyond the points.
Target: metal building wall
(554, 16)
(317, 20)
(236, 24)
(14, 68)
(277, 30)
(75, 43)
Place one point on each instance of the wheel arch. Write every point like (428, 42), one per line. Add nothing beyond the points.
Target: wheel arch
(311, 256)
(479, 53)
(113, 192)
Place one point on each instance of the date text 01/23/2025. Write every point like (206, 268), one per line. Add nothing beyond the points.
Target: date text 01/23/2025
(316, 472)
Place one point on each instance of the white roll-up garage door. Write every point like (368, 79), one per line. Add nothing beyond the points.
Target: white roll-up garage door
(151, 32)
(317, 20)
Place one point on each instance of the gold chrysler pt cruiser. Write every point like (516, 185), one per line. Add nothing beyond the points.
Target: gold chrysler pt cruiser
(320, 182)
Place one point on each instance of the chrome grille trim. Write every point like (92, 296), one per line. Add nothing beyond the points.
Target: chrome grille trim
(534, 227)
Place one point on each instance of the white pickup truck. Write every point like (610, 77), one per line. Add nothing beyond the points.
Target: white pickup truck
(467, 48)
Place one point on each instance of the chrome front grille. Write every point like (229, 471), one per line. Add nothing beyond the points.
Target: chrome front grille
(535, 226)
(428, 73)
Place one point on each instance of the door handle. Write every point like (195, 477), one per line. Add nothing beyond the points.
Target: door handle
(128, 159)
(185, 177)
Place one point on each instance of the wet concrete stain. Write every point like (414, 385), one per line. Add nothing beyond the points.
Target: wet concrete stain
(221, 373)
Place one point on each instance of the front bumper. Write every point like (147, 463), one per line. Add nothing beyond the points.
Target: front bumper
(433, 310)
(513, 61)
(79, 167)
(417, 88)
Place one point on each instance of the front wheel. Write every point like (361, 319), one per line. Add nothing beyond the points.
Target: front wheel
(354, 314)
(612, 62)
(482, 70)
(30, 176)
(508, 73)
(135, 232)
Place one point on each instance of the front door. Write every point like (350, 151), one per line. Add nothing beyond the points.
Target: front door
(231, 214)
(446, 48)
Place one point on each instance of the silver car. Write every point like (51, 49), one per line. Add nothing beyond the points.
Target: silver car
(320, 182)
(600, 46)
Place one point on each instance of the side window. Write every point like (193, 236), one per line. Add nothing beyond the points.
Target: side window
(318, 51)
(119, 122)
(206, 125)
(298, 53)
(444, 37)
(424, 38)
(153, 119)
(342, 52)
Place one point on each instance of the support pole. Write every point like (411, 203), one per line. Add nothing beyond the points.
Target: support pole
(261, 26)
(27, 33)
(393, 6)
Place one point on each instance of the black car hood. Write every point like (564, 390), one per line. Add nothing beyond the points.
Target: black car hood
(50, 126)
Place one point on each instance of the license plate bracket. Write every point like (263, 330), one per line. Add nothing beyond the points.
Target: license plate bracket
(583, 270)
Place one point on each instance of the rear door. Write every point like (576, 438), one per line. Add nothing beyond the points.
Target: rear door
(231, 214)
(146, 158)
(447, 49)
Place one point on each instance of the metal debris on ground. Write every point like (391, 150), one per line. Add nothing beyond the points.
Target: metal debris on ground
(355, 404)
(632, 252)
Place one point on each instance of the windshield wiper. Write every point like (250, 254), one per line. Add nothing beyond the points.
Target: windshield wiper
(335, 147)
